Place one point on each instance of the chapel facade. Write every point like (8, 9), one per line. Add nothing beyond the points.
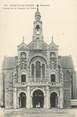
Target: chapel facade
(37, 77)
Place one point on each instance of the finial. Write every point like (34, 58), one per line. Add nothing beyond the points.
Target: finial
(52, 38)
(23, 39)
(37, 7)
(37, 13)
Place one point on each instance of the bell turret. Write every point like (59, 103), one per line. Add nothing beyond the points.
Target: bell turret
(37, 30)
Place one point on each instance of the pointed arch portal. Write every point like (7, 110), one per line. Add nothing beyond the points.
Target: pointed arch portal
(22, 100)
(38, 99)
(53, 100)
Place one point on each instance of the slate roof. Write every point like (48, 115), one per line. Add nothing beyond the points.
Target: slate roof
(66, 62)
(37, 44)
(9, 62)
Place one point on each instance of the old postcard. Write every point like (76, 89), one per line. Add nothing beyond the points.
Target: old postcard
(38, 58)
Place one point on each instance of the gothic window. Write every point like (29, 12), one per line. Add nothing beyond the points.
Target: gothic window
(43, 70)
(53, 78)
(23, 78)
(38, 70)
(32, 69)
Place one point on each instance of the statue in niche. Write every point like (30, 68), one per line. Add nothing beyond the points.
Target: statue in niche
(53, 65)
(23, 56)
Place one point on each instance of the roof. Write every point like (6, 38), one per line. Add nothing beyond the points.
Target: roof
(37, 44)
(37, 13)
(66, 62)
(9, 62)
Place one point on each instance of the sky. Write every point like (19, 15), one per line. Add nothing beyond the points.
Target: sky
(59, 19)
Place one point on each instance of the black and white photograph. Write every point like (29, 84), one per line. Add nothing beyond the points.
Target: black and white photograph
(38, 58)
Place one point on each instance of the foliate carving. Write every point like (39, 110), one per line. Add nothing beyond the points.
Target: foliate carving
(23, 61)
(23, 66)
(23, 57)
(60, 74)
(53, 63)
(52, 60)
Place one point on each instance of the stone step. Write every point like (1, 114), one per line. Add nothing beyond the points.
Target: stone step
(37, 110)
(37, 113)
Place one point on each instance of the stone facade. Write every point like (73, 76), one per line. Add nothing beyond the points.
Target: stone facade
(38, 77)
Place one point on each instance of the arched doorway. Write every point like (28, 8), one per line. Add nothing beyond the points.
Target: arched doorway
(22, 100)
(53, 100)
(38, 99)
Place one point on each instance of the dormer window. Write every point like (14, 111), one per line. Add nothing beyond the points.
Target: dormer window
(23, 78)
(53, 79)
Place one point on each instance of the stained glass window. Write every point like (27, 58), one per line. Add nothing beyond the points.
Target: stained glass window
(38, 70)
(43, 70)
